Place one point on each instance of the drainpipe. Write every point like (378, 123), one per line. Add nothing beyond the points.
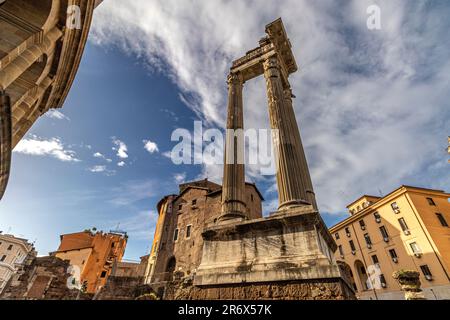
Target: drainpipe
(5, 140)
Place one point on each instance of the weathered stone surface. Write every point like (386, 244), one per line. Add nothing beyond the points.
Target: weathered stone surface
(330, 289)
(125, 288)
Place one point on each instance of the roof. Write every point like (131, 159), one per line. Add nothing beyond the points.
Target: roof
(365, 210)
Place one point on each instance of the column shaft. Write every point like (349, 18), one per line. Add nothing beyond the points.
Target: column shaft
(293, 179)
(233, 189)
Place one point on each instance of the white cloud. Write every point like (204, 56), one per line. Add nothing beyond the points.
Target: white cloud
(55, 114)
(150, 146)
(121, 148)
(97, 169)
(180, 177)
(121, 164)
(372, 105)
(98, 155)
(52, 147)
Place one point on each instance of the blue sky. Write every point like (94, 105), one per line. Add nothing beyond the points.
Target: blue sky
(372, 107)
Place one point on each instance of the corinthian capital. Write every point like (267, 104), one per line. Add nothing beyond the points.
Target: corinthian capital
(234, 79)
(272, 66)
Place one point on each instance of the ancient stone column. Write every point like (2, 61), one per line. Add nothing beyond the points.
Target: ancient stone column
(233, 189)
(293, 180)
(306, 177)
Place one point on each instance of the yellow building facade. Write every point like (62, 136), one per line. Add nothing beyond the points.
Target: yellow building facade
(406, 229)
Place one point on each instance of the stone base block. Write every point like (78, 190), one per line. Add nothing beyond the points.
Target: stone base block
(290, 251)
(327, 289)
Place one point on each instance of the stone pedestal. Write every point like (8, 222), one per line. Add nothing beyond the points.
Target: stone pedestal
(289, 255)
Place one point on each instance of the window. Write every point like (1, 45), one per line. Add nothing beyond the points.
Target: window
(175, 235)
(188, 231)
(383, 281)
(347, 231)
(336, 235)
(442, 220)
(194, 202)
(362, 224)
(103, 274)
(415, 248)
(395, 207)
(403, 224)
(393, 255)
(368, 240)
(377, 217)
(384, 233)
(431, 202)
(10, 247)
(251, 197)
(3, 258)
(426, 272)
(352, 246)
(375, 259)
(180, 206)
(341, 251)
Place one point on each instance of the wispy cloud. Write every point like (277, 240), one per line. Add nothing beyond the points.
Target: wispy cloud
(139, 226)
(52, 147)
(121, 164)
(150, 146)
(97, 169)
(120, 147)
(364, 97)
(55, 114)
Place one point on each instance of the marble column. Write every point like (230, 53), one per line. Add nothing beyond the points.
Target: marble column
(306, 177)
(293, 179)
(233, 188)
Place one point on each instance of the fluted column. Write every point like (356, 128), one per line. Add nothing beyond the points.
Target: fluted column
(293, 178)
(233, 189)
(306, 177)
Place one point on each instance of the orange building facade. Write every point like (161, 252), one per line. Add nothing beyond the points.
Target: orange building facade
(407, 229)
(92, 255)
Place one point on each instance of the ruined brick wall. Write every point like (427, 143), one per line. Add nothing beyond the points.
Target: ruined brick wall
(43, 278)
(124, 288)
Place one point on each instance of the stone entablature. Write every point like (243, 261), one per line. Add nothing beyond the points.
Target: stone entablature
(39, 58)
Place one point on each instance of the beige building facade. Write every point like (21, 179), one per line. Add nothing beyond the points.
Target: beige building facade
(13, 252)
(408, 229)
(41, 45)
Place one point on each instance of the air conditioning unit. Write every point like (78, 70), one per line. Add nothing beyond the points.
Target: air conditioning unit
(407, 232)
(429, 277)
(369, 246)
(342, 256)
(363, 227)
(353, 252)
(384, 285)
(418, 255)
(395, 260)
(386, 239)
(378, 220)
(397, 211)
